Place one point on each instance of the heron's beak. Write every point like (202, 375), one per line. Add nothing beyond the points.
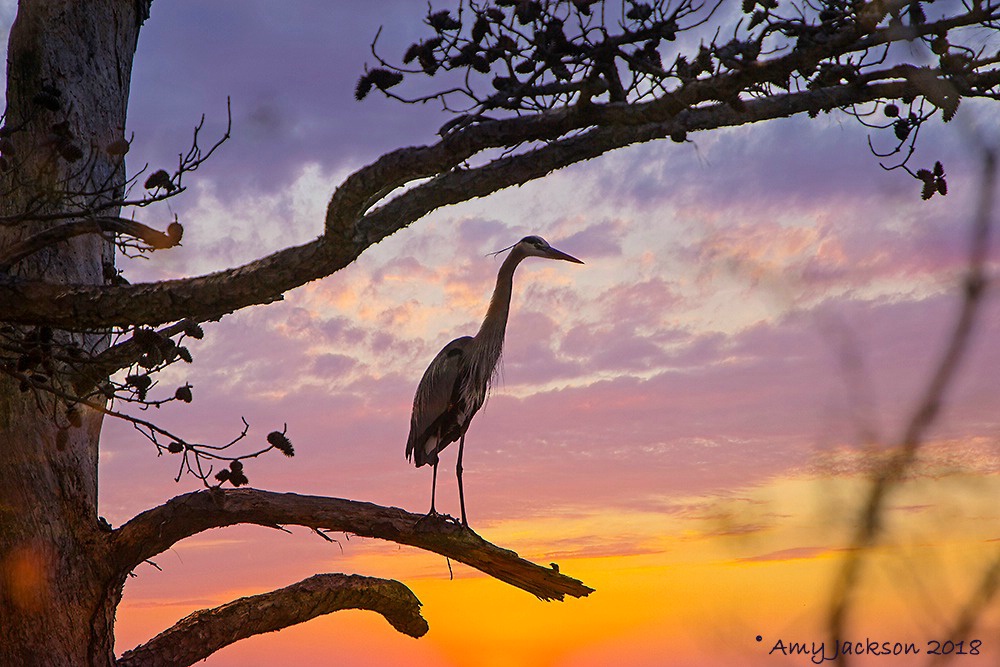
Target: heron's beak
(552, 253)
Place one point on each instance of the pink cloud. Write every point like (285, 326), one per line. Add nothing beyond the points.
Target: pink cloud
(831, 254)
(596, 241)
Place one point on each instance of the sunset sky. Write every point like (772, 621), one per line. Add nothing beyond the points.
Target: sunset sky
(680, 422)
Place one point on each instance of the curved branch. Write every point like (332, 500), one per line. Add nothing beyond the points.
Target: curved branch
(204, 632)
(617, 128)
(155, 530)
(394, 169)
(349, 233)
(409, 164)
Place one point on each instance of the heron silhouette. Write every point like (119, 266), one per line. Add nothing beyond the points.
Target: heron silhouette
(456, 383)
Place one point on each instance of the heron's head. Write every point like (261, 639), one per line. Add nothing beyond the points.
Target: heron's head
(536, 246)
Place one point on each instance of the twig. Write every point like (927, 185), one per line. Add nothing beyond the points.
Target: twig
(155, 239)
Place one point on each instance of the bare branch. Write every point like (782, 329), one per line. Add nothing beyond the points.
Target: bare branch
(201, 298)
(204, 632)
(155, 530)
(108, 195)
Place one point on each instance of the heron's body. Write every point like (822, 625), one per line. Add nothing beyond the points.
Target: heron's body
(445, 413)
(457, 381)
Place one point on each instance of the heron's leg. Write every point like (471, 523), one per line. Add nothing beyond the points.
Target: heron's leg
(434, 480)
(458, 472)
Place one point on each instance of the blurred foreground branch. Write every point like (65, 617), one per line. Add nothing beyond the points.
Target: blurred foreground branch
(892, 472)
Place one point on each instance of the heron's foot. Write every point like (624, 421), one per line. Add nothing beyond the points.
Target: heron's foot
(428, 518)
(437, 520)
(463, 522)
(431, 519)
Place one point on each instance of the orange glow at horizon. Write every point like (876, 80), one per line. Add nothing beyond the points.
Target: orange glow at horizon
(691, 585)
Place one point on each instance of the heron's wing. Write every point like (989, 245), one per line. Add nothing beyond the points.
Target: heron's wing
(434, 398)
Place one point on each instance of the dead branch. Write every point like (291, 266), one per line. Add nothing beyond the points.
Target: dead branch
(155, 239)
(156, 530)
(204, 632)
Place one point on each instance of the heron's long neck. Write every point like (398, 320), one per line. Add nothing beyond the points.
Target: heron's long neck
(489, 339)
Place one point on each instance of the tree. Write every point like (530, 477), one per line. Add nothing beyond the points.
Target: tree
(536, 86)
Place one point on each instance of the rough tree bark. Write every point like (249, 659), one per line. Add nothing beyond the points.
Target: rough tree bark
(67, 88)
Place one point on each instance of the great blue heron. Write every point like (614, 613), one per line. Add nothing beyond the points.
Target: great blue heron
(455, 384)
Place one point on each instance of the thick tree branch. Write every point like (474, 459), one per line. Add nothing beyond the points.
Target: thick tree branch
(395, 169)
(616, 130)
(155, 530)
(204, 632)
(266, 279)
(206, 297)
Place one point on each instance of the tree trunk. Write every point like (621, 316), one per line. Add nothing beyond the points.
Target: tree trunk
(69, 64)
